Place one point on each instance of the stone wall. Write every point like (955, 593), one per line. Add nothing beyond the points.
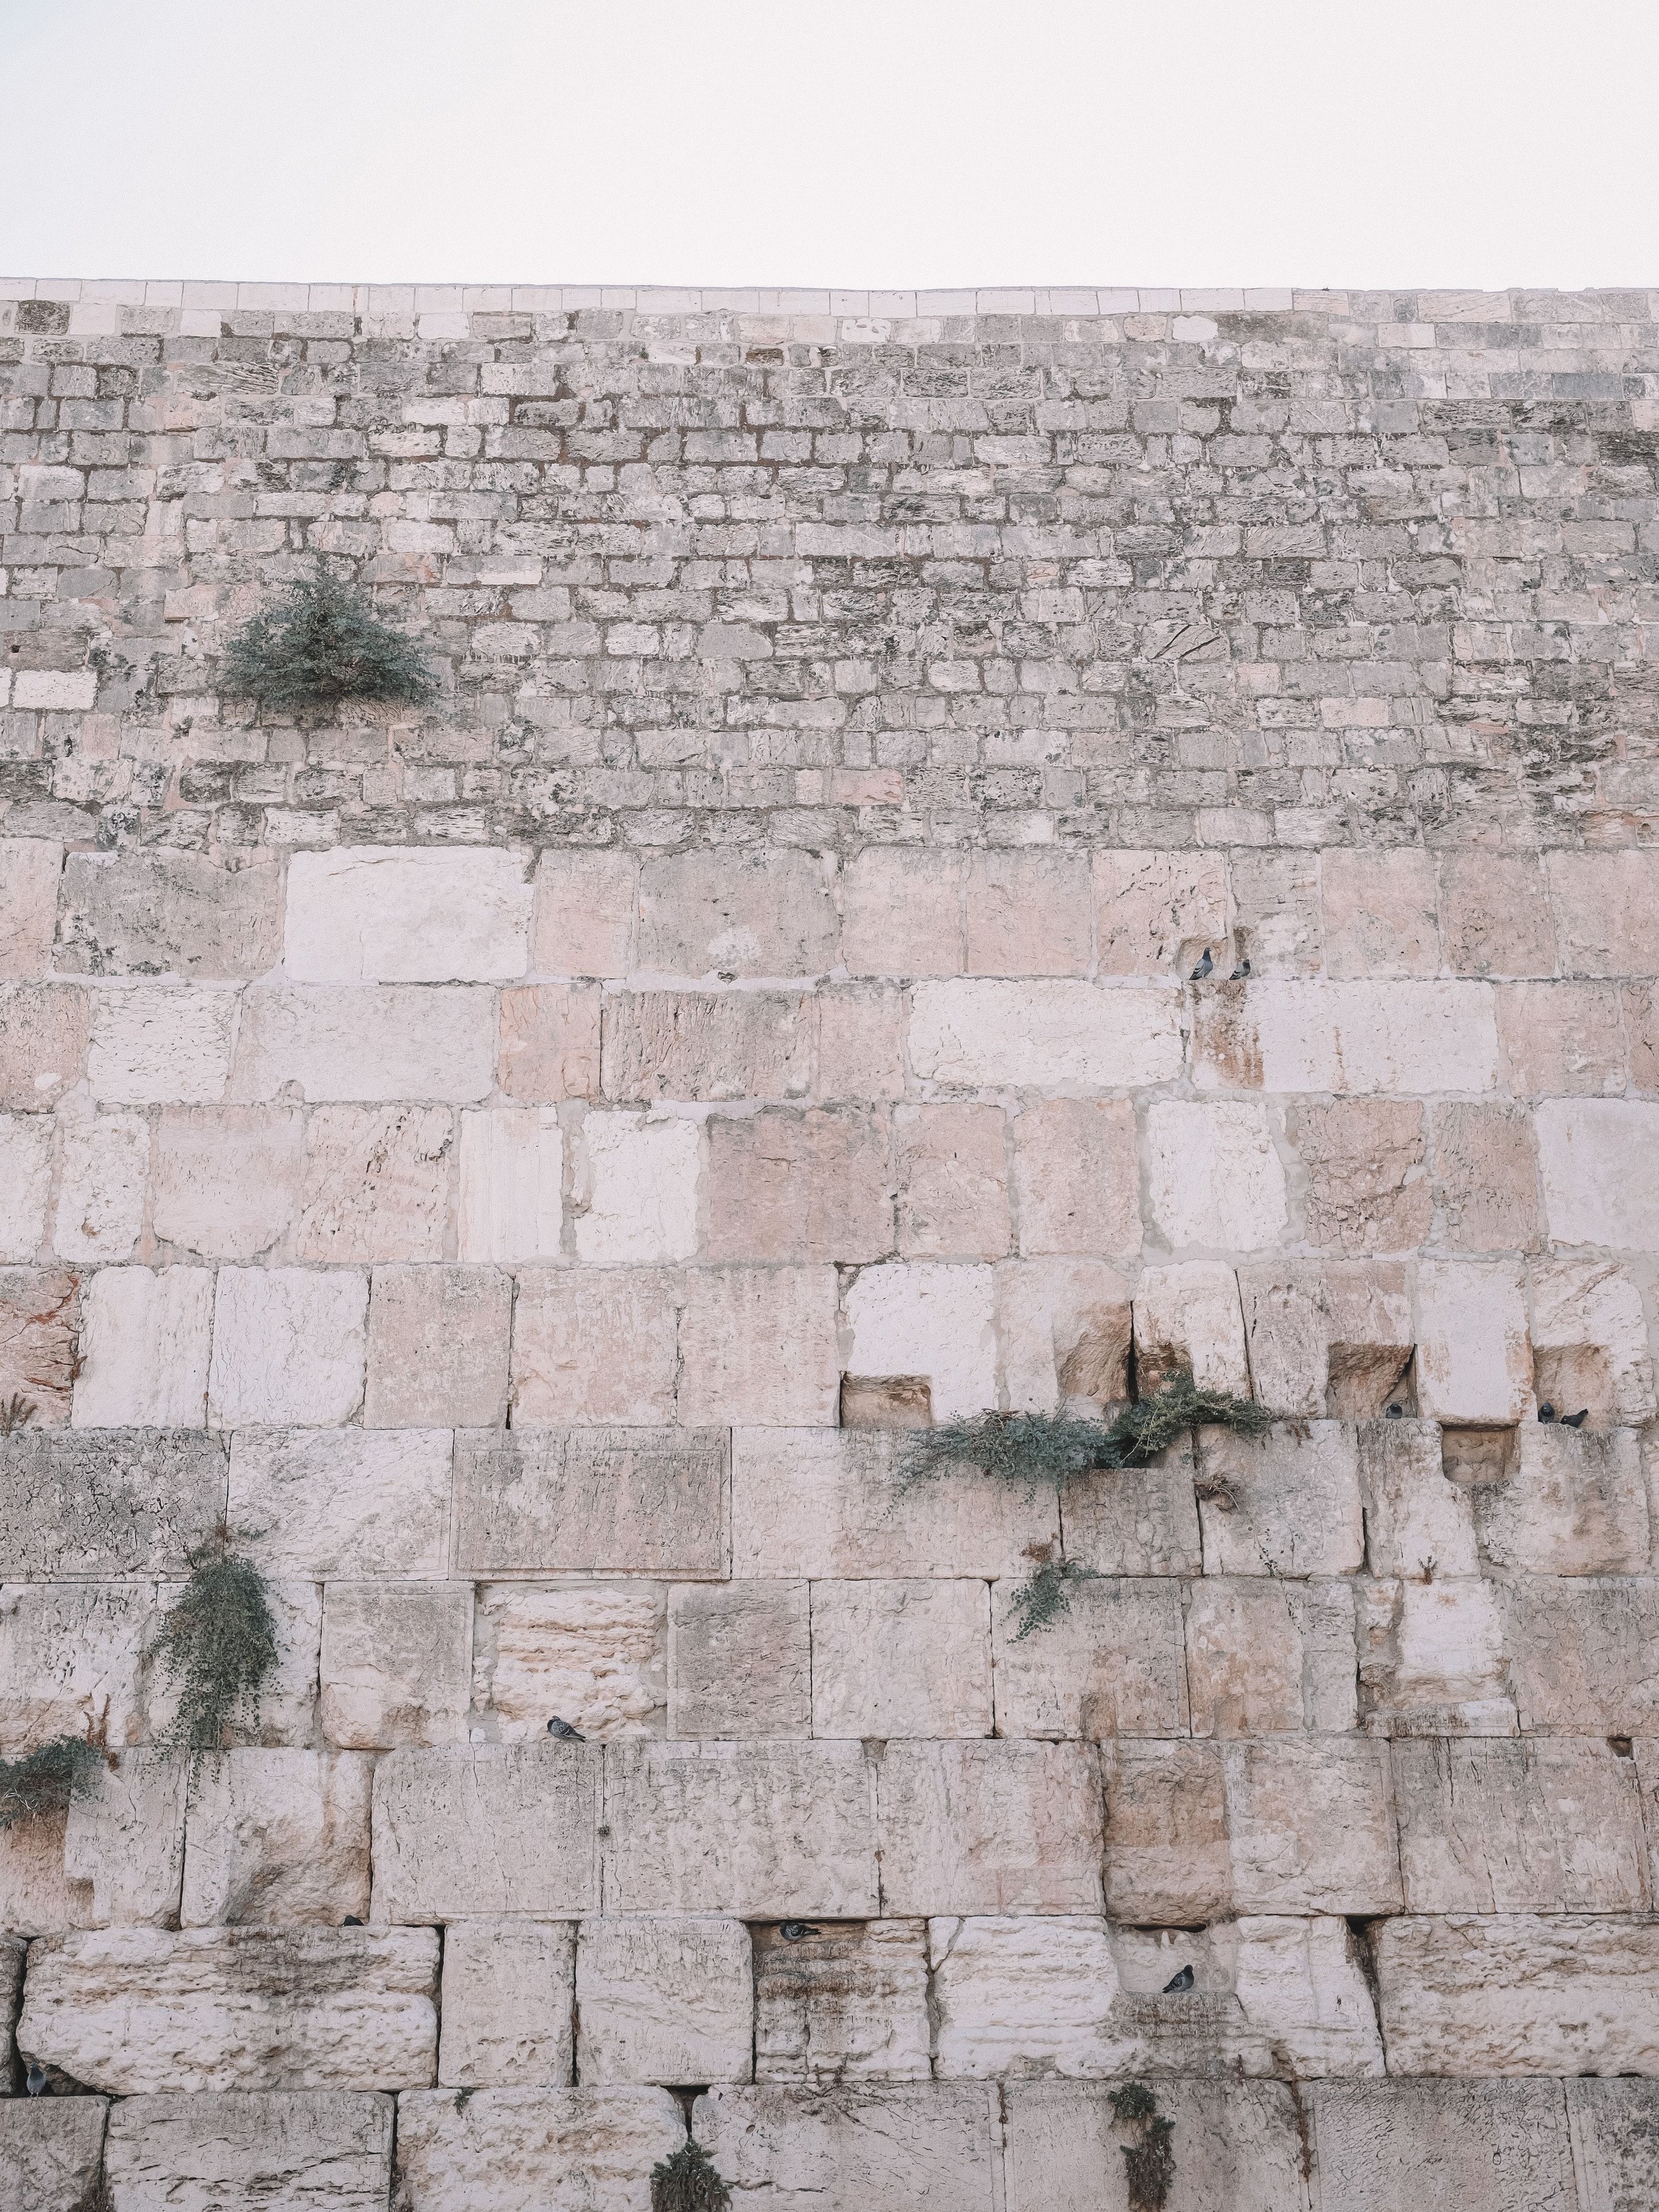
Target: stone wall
(519, 1164)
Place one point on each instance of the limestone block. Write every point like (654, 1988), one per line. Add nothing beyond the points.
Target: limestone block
(805, 1186)
(108, 1502)
(342, 1502)
(584, 913)
(350, 1043)
(512, 1184)
(766, 1831)
(42, 1044)
(508, 1989)
(569, 1501)
(133, 2010)
(103, 1167)
(1576, 1503)
(596, 1345)
(1022, 1996)
(1562, 1039)
(1495, 914)
(845, 2004)
(1606, 911)
(13, 1954)
(706, 1044)
(40, 1328)
(739, 1660)
(395, 1664)
(226, 1178)
(539, 1805)
(25, 1184)
(662, 1998)
(1351, 1039)
(160, 910)
(1517, 1993)
(1028, 913)
(1155, 912)
(1367, 1189)
(1189, 1317)
(1433, 1658)
(1589, 1341)
(637, 1193)
(834, 1503)
(1135, 1520)
(732, 913)
(1111, 1665)
(989, 1827)
(124, 1838)
(1284, 1503)
(931, 1318)
(399, 914)
(1303, 1986)
(1487, 1164)
(901, 912)
(327, 2151)
(1594, 1155)
(1473, 1363)
(1077, 1177)
(278, 1837)
(288, 1347)
(519, 2150)
(901, 1659)
(758, 1345)
(952, 1179)
(1331, 1338)
(1266, 1656)
(51, 2152)
(861, 1034)
(1379, 912)
(882, 2147)
(1536, 1824)
(593, 1653)
(1585, 1654)
(1613, 2126)
(1235, 2143)
(1214, 1177)
(36, 1896)
(1418, 1521)
(72, 1662)
(550, 1043)
(972, 1035)
(153, 1044)
(437, 1349)
(29, 872)
(1311, 1826)
(1454, 2145)
(376, 1183)
(1167, 1860)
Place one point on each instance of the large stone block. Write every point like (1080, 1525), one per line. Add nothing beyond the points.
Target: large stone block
(395, 1664)
(1311, 1826)
(928, 1318)
(25, 1184)
(706, 1044)
(538, 1806)
(51, 2152)
(138, 2010)
(1111, 1665)
(344, 1503)
(376, 1183)
(759, 1346)
(1606, 911)
(1594, 1155)
(278, 1837)
(732, 913)
(519, 2150)
(1433, 1658)
(1575, 1504)
(1447, 2146)
(1474, 1362)
(227, 1179)
(842, 2003)
(288, 1347)
(1286, 1503)
(596, 1345)
(1615, 2134)
(1589, 1341)
(1135, 1520)
(1350, 1038)
(103, 1164)
(765, 1831)
(1584, 1653)
(1304, 1991)
(1562, 1039)
(345, 1041)
(36, 1896)
(1539, 1824)
(666, 1999)
(1379, 912)
(550, 1043)
(1486, 1167)
(1156, 912)
(437, 1352)
(1214, 1176)
(1417, 1521)
(106, 1502)
(511, 1206)
(72, 1662)
(29, 872)
(1367, 1188)
(882, 2148)
(509, 1994)
(144, 1348)
(1022, 1996)
(1028, 913)
(1495, 913)
(557, 1501)
(901, 912)
(1187, 1318)
(587, 909)
(635, 1198)
(154, 1045)
(1167, 1860)
(1077, 1178)
(901, 1659)
(989, 1828)
(400, 914)
(1329, 1338)
(40, 1328)
(739, 1660)
(1269, 1656)
(125, 1841)
(861, 1048)
(42, 1044)
(1238, 2144)
(321, 2151)
(950, 1167)
(971, 1034)
(160, 910)
(592, 1653)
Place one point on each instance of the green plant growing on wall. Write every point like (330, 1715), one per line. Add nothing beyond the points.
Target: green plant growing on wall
(686, 2181)
(1149, 2161)
(216, 1645)
(321, 642)
(46, 1779)
(1038, 1448)
(1039, 1602)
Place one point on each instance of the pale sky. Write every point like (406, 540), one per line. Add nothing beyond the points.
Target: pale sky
(888, 143)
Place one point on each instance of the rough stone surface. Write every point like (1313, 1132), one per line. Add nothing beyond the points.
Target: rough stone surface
(844, 2003)
(571, 1500)
(594, 1653)
(320, 2151)
(509, 1991)
(880, 2148)
(395, 1664)
(664, 1999)
(522, 2149)
(989, 1827)
(278, 1837)
(51, 2152)
(537, 1803)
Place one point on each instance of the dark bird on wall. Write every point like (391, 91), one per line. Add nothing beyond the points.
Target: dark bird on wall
(563, 1730)
(351, 1921)
(1203, 968)
(1395, 1412)
(1183, 1980)
(1576, 1420)
(1546, 1412)
(795, 1931)
(36, 2084)
(1241, 973)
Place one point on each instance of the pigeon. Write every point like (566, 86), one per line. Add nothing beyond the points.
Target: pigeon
(351, 1921)
(1183, 1980)
(563, 1730)
(1203, 968)
(1241, 973)
(37, 2084)
(1546, 1412)
(795, 1931)
(1395, 1412)
(1576, 1420)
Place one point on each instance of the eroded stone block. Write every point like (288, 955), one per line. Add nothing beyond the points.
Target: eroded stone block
(596, 1345)
(25, 1184)
(1135, 1520)
(664, 1999)
(124, 1839)
(556, 1501)
(706, 1044)
(549, 1041)
(593, 1653)
(1454, 2145)
(278, 1837)
(226, 1178)
(901, 912)
(523, 2148)
(1267, 1656)
(288, 1347)
(1576, 1503)
(538, 1805)
(1589, 1341)
(42, 1044)
(437, 1352)
(989, 1827)
(112, 1502)
(29, 872)
(1433, 1658)
(401, 913)
(1311, 1826)
(636, 1198)
(1155, 912)
(759, 1346)
(51, 2152)
(1188, 1318)
(1367, 1188)
(509, 1991)
(739, 1660)
(880, 2147)
(1077, 1178)
(844, 2003)
(342, 1502)
(395, 1664)
(40, 1328)
(1111, 1665)
(1584, 1653)
(1417, 1521)
(950, 1167)
(144, 1344)
(1284, 1503)
(1532, 1824)
(901, 1659)
(1030, 1994)
(153, 1044)
(733, 913)
(160, 910)
(321, 2151)
(376, 1183)
(1167, 1860)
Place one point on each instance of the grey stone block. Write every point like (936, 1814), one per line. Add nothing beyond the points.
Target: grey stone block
(554, 1501)
(89, 1501)
(486, 1831)
(1440, 2147)
(51, 2152)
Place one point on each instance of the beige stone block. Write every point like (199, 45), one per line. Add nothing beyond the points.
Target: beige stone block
(287, 1346)
(1562, 1038)
(278, 1837)
(36, 1897)
(160, 910)
(1111, 1665)
(1474, 1362)
(1352, 1038)
(1606, 911)
(901, 1659)
(1189, 1318)
(1460, 2143)
(285, 1710)
(845, 2004)
(1284, 1503)
(1311, 1824)
(1063, 1328)
(1240, 2146)
(342, 1502)
(397, 1663)
(512, 1186)
(1585, 1654)
(568, 1501)
(585, 911)
(732, 913)
(39, 1329)
(1485, 1162)
(636, 1198)
(1379, 912)
(1303, 1989)
(1433, 1659)
(1418, 1521)
(25, 1184)
(227, 1179)
(550, 1043)
(974, 1034)
(1276, 919)
(1495, 914)
(393, 1041)
(1589, 1341)
(102, 1172)
(144, 1339)
(595, 1654)
(1537, 1823)
(1519, 1993)
(1166, 1855)
(935, 1319)
(766, 1831)
(1576, 1503)
(1330, 1338)
(708, 1044)
(739, 1660)
(519, 2148)
(1612, 2124)
(1028, 913)
(1077, 1177)
(1639, 1001)
(662, 1998)
(861, 1043)
(29, 871)
(1214, 1178)
(133, 2009)
(1028, 1995)
(72, 1662)
(879, 2146)
(51, 2152)
(42, 1044)
(508, 1993)
(124, 1841)
(77, 1504)
(1266, 1657)
(759, 1346)
(809, 1185)
(438, 1348)
(951, 1166)
(989, 1827)
(152, 1044)
(1594, 1154)
(538, 1805)
(1367, 1189)
(328, 2151)
(901, 912)
(399, 914)
(1135, 1520)
(1155, 912)
(376, 1183)
(594, 1344)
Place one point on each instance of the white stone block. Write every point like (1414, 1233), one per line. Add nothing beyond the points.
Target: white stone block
(1474, 1361)
(161, 1044)
(328, 2151)
(664, 1999)
(1269, 1656)
(144, 1339)
(1303, 1987)
(522, 2150)
(394, 913)
(288, 1346)
(1167, 1862)
(72, 1662)
(974, 1034)
(124, 1838)
(1111, 1665)
(393, 1042)
(989, 1827)
(511, 1185)
(376, 1185)
(104, 1166)
(901, 1659)
(759, 1346)
(592, 1653)
(1214, 1176)
(591, 1346)
(1188, 1317)
(1359, 1037)
(1589, 1337)
(30, 869)
(395, 1664)
(1517, 1825)
(1463, 2146)
(25, 1183)
(1575, 1502)
(341, 1503)
(509, 1991)
(1026, 1995)
(278, 1837)
(1311, 1823)
(1286, 1503)
(637, 1189)
(932, 1319)
(227, 1179)
(1418, 1521)
(1063, 1329)
(51, 2152)
(1596, 1158)
(1433, 1658)
(1240, 2146)
(880, 2147)
(538, 1805)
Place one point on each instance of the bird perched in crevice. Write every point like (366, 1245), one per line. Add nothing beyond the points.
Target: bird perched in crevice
(1241, 973)
(36, 2082)
(1546, 1412)
(1203, 968)
(1183, 1980)
(1576, 1420)
(563, 1731)
(795, 1931)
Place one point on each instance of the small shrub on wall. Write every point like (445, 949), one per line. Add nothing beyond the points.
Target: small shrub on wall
(320, 642)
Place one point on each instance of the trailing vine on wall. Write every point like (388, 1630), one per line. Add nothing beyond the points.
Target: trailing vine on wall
(216, 1645)
(46, 1779)
(1149, 2160)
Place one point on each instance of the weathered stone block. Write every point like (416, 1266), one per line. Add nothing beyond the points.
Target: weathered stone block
(106, 1502)
(1111, 1665)
(72, 1662)
(1030, 1995)
(1537, 1823)
(879, 2148)
(278, 1837)
(155, 1043)
(735, 913)
(103, 1164)
(1350, 1039)
(395, 1664)
(1562, 1039)
(36, 1897)
(1589, 1341)
(29, 872)
(1433, 1658)
(1327, 1338)
(759, 1346)
(517, 2150)
(1453, 2145)
(124, 1841)
(706, 1044)
(596, 1345)
(739, 1660)
(842, 2004)
(25, 1184)
(326, 2151)
(901, 912)
(550, 1043)
(586, 910)
(508, 1991)
(1284, 1503)
(804, 1185)
(556, 1501)
(1594, 1155)
(1418, 1521)
(1077, 1177)
(664, 1999)
(1236, 2144)
(1585, 1654)
(636, 1194)
(989, 1827)
(1025, 1036)
(400, 914)
(1486, 1165)
(437, 1352)
(901, 1659)
(1576, 1503)
(1495, 913)
(1156, 912)
(1615, 2125)
(1367, 1189)
(1214, 1176)
(538, 1805)
(593, 1653)
(226, 1178)
(396, 1041)
(1167, 1860)
(1305, 1995)
(1473, 1363)
(342, 1502)
(1606, 911)
(42, 1044)
(951, 1165)
(1028, 913)
(1266, 1656)
(931, 1318)
(861, 1043)
(51, 2152)
(287, 1703)
(287, 1346)
(160, 910)
(1379, 912)
(1135, 1520)
(1311, 1826)
(39, 1328)
(376, 1183)
(1189, 1318)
